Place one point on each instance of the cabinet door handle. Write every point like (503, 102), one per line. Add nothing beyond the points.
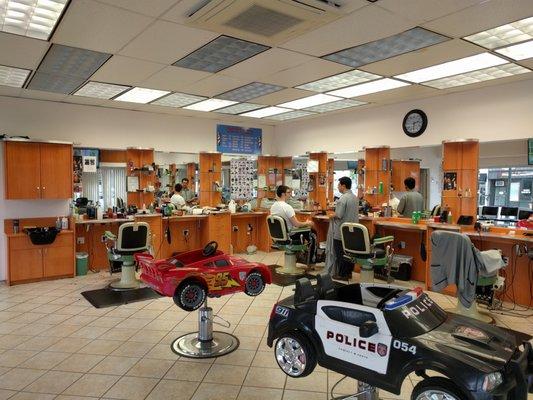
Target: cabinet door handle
(38, 188)
(44, 187)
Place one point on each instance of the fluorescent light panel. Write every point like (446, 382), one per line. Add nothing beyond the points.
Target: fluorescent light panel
(504, 35)
(100, 90)
(339, 81)
(486, 74)
(266, 112)
(460, 66)
(178, 100)
(141, 95)
(291, 115)
(250, 91)
(518, 51)
(14, 77)
(240, 108)
(210, 105)
(336, 105)
(309, 101)
(32, 18)
(221, 53)
(370, 87)
(405, 42)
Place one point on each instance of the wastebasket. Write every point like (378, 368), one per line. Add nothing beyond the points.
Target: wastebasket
(82, 262)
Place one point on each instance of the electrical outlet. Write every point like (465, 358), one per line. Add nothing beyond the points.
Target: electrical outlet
(235, 228)
(185, 232)
(402, 245)
(80, 240)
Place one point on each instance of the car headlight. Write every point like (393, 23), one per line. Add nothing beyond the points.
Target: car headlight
(492, 381)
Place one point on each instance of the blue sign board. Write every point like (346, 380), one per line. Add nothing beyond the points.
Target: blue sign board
(239, 140)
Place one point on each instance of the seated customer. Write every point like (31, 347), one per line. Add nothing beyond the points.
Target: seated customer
(411, 201)
(177, 199)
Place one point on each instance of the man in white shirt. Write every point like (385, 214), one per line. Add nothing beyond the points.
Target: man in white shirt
(177, 199)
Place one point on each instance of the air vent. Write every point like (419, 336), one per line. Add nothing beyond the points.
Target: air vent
(269, 22)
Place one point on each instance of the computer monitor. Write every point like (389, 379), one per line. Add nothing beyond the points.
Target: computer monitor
(524, 214)
(489, 211)
(509, 212)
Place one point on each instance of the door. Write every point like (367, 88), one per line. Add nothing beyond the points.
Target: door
(56, 171)
(22, 170)
(25, 264)
(58, 261)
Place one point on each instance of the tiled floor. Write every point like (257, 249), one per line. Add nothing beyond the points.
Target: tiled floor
(55, 345)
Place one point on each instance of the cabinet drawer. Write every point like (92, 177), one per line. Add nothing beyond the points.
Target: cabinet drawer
(23, 242)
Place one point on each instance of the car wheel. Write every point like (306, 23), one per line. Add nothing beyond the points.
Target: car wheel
(254, 284)
(437, 388)
(190, 296)
(295, 356)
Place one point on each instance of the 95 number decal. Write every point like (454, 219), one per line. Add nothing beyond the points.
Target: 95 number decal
(408, 348)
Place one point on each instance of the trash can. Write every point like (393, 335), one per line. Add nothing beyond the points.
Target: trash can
(82, 262)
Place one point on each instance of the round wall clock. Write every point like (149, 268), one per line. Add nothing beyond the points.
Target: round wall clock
(415, 123)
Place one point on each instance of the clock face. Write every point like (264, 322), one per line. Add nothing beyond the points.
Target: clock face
(415, 123)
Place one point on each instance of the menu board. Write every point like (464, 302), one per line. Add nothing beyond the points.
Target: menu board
(239, 140)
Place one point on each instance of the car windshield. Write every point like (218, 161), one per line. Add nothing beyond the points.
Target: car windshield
(415, 318)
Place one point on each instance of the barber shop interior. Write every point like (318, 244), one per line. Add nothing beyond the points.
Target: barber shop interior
(266, 199)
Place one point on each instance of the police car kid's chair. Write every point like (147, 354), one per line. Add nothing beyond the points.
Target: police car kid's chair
(358, 249)
(284, 240)
(133, 237)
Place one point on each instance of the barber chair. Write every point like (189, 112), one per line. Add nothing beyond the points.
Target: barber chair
(285, 240)
(358, 249)
(133, 237)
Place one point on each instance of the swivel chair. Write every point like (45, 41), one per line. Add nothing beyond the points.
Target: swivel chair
(358, 249)
(133, 237)
(285, 240)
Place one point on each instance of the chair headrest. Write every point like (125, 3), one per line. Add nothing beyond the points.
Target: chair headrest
(277, 228)
(304, 291)
(324, 285)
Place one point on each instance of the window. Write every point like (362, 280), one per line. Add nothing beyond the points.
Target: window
(221, 263)
(105, 186)
(506, 187)
(348, 315)
(339, 174)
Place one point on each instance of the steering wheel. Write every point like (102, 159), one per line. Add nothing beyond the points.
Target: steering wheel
(210, 249)
(391, 295)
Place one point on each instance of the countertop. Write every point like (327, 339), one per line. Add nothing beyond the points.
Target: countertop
(22, 234)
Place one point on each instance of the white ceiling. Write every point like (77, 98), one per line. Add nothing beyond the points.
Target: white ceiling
(146, 37)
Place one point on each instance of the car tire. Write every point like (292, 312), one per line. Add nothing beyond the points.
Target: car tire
(295, 355)
(437, 387)
(254, 284)
(190, 296)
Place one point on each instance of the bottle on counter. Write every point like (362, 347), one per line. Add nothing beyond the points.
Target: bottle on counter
(58, 223)
(16, 226)
(450, 219)
(64, 223)
(380, 187)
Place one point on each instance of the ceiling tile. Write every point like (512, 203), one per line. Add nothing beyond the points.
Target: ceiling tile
(364, 25)
(214, 85)
(399, 94)
(21, 52)
(527, 63)
(310, 71)
(282, 96)
(420, 11)
(266, 63)
(493, 82)
(485, 15)
(174, 78)
(166, 42)
(181, 11)
(439, 53)
(152, 8)
(96, 26)
(126, 71)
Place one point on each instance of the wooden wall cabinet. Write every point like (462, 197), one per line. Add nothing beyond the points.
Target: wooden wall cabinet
(137, 159)
(374, 174)
(402, 169)
(38, 170)
(210, 173)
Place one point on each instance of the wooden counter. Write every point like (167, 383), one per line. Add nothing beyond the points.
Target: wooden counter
(249, 228)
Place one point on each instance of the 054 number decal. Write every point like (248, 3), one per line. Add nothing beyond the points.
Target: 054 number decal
(399, 345)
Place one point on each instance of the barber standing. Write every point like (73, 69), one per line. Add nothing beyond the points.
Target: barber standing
(346, 210)
(412, 200)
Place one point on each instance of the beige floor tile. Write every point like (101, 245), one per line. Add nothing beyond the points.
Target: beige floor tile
(265, 359)
(3, 370)
(253, 393)
(79, 363)
(249, 343)
(114, 365)
(265, 378)
(12, 358)
(60, 330)
(101, 347)
(317, 380)
(185, 371)
(90, 332)
(11, 341)
(173, 390)
(250, 330)
(133, 323)
(303, 395)
(119, 334)
(38, 343)
(346, 386)
(148, 336)
(133, 349)
(67, 397)
(222, 374)
(32, 396)
(161, 325)
(162, 352)
(33, 328)
(211, 391)
(45, 360)
(132, 388)
(106, 322)
(69, 345)
(53, 382)
(92, 385)
(9, 327)
(6, 394)
(238, 357)
(150, 368)
(27, 318)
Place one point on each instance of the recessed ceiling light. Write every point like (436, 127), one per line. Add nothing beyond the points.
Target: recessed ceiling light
(100, 90)
(291, 115)
(240, 108)
(65, 68)
(405, 42)
(32, 18)
(504, 35)
(250, 91)
(14, 77)
(141, 95)
(221, 53)
(486, 74)
(309, 101)
(336, 105)
(210, 105)
(178, 100)
(460, 66)
(518, 51)
(339, 81)
(266, 112)
(369, 87)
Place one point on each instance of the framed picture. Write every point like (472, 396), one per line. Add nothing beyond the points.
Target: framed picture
(450, 181)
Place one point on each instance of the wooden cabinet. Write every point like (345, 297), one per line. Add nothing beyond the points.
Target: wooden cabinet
(25, 264)
(57, 261)
(38, 170)
(402, 169)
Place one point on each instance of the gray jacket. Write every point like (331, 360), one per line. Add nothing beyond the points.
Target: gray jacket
(410, 202)
(346, 210)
